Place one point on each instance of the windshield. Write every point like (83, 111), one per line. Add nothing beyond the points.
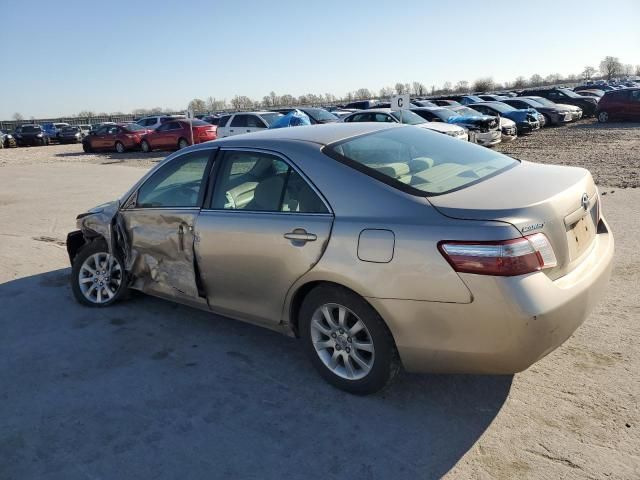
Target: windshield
(445, 114)
(467, 112)
(270, 117)
(475, 98)
(133, 127)
(544, 101)
(60, 125)
(424, 103)
(569, 93)
(70, 130)
(408, 118)
(419, 161)
(30, 129)
(321, 115)
(501, 107)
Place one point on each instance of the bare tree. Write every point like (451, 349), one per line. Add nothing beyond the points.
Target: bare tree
(446, 87)
(407, 88)
(462, 86)
(610, 67)
(385, 92)
(628, 69)
(362, 93)
(419, 88)
(86, 114)
(197, 105)
(286, 100)
(241, 102)
(399, 88)
(535, 80)
(483, 84)
(588, 72)
(552, 78)
(638, 70)
(330, 98)
(520, 82)
(18, 117)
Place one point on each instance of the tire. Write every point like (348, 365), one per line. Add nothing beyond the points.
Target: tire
(371, 344)
(86, 146)
(43, 142)
(182, 143)
(89, 291)
(119, 146)
(145, 147)
(603, 117)
(547, 120)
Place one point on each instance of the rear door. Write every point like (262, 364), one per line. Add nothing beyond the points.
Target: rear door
(159, 223)
(263, 228)
(238, 125)
(634, 105)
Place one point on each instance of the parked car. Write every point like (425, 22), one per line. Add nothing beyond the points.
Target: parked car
(362, 104)
(423, 103)
(53, 129)
(493, 98)
(115, 137)
(31, 135)
(245, 122)
(70, 134)
(316, 115)
(576, 112)
(526, 120)
(483, 130)
(509, 130)
(601, 87)
(154, 121)
(597, 93)
(177, 134)
(84, 129)
(407, 117)
(341, 113)
(554, 115)
(445, 103)
(392, 247)
(7, 140)
(466, 99)
(565, 96)
(620, 105)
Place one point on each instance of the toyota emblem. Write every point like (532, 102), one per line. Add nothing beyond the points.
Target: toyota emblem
(585, 201)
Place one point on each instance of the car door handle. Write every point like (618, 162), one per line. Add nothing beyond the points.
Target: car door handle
(300, 235)
(181, 229)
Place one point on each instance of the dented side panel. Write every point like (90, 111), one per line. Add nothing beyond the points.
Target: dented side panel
(160, 253)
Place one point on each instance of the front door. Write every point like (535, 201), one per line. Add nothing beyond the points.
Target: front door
(160, 228)
(263, 228)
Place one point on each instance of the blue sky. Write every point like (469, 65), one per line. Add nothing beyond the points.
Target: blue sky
(60, 57)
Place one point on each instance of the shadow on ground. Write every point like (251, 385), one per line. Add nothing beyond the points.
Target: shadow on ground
(608, 126)
(114, 157)
(150, 389)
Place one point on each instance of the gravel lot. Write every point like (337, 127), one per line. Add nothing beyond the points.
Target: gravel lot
(150, 389)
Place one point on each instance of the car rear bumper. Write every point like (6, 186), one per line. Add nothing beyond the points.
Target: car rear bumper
(487, 139)
(511, 323)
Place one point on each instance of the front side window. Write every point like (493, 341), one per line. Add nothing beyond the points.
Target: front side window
(239, 121)
(102, 131)
(177, 184)
(255, 181)
(419, 161)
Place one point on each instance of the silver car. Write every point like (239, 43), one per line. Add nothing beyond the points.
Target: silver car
(379, 245)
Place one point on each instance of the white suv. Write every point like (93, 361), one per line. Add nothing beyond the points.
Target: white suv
(245, 122)
(155, 121)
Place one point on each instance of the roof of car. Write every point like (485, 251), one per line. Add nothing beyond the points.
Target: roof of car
(320, 134)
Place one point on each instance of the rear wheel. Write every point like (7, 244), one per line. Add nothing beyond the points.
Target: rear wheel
(145, 147)
(120, 147)
(183, 143)
(86, 146)
(347, 341)
(603, 117)
(98, 278)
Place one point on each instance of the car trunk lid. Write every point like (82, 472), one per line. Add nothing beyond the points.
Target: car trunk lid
(561, 202)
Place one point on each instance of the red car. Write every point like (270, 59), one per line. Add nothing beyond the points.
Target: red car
(119, 137)
(177, 134)
(621, 104)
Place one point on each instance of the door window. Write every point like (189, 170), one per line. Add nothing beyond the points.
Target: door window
(255, 122)
(173, 126)
(102, 131)
(255, 181)
(112, 130)
(239, 121)
(223, 120)
(177, 184)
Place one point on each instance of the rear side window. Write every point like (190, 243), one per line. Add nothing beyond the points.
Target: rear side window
(254, 122)
(223, 120)
(239, 121)
(418, 161)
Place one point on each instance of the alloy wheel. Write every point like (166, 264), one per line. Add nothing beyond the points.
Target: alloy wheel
(342, 341)
(603, 117)
(100, 277)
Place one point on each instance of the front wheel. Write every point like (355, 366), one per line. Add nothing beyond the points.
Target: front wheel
(120, 147)
(98, 278)
(603, 117)
(347, 341)
(145, 147)
(182, 143)
(86, 146)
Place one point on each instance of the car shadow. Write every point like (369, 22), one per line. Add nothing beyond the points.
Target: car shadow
(608, 126)
(151, 389)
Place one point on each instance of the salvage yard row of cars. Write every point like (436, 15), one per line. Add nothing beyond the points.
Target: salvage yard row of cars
(485, 119)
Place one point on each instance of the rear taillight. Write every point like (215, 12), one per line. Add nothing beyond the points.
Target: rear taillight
(502, 258)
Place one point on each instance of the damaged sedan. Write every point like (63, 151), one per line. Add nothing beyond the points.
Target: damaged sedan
(379, 245)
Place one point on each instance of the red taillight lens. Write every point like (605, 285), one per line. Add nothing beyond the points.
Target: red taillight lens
(503, 258)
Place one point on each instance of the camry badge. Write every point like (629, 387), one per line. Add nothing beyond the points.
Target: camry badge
(534, 226)
(585, 201)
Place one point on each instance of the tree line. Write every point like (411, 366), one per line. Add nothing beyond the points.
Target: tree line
(609, 68)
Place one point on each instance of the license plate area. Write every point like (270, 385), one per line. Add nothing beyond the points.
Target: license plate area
(580, 235)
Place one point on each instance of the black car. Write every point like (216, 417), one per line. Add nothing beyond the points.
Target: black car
(553, 115)
(7, 140)
(31, 135)
(445, 102)
(566, 96)
(363, 104)
(70, 135)
(316, 115)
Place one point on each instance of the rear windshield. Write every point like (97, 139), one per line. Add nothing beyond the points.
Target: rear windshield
(270, 117)
(419, 161)
(198, 123)
(320, 114)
